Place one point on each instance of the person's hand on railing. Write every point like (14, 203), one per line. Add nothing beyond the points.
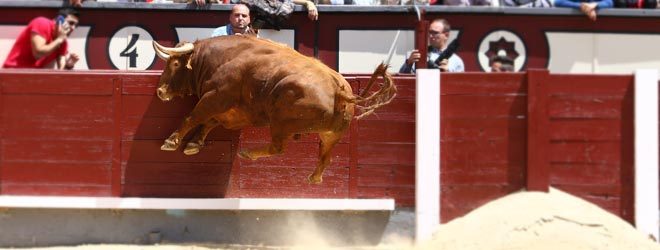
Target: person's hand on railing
(75, 3)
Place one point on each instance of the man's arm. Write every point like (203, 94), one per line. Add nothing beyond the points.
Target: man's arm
(75, 3)
(411, 58)
(405, 68)
(61, 61)
(312, 13)
(40, 48)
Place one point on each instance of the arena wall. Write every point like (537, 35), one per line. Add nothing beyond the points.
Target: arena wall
(98, 133)
(353, 39)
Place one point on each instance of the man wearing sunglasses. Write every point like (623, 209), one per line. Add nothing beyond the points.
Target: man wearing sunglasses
(438, 36)
(43, 43)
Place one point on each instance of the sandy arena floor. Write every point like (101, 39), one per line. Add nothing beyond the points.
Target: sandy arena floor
(520, 221)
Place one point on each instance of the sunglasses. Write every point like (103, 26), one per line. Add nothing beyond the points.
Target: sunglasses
(435, 33)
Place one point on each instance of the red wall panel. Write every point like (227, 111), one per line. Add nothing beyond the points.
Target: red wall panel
(590, 146)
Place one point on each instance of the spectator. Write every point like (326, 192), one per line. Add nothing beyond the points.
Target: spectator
(312, 12)
(528, 3)
(438, 36)
(501, 64)
(636, 4)
(239, 22)
(336, 2)
(588, 7)
(44, 41)
(75, 3)
(464, 2)
(200, 2)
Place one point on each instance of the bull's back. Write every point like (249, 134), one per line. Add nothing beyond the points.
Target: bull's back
(282, 82)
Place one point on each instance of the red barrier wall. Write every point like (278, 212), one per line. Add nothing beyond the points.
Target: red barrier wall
(98, 133)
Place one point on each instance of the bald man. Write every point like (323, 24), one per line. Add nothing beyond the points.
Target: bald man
(239, 22)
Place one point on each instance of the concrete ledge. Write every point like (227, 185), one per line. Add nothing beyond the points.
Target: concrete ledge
(196, 204)
(38, 227)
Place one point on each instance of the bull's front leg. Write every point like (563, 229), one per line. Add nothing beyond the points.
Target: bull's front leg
(197, 141)
(173, 142)
(211, 103)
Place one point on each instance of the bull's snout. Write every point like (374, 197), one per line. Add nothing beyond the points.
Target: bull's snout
(162, 93)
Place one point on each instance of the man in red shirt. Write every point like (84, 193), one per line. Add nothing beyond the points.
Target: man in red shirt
(44, 41)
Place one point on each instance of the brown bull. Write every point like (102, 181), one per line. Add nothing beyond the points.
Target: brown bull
(246, 81)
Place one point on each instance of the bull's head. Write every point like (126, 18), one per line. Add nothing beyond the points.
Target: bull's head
(176, 78)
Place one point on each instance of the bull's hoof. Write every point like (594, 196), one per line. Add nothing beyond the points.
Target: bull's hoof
(192, 148)
(314, 179)
(245, 155)
(169, 146)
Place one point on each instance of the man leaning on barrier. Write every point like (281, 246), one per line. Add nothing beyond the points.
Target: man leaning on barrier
(44, 41)
(239, 22)
(438, 37)
(312, 11)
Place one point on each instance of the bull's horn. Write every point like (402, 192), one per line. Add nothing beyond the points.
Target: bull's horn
(185, 49)
(160, 53)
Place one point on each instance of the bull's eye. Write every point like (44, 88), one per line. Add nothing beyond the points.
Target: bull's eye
(175, 64)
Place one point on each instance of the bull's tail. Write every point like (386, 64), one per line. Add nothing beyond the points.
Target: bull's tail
(384, 95)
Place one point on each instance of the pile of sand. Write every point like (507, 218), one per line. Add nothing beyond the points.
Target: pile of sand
(534, 220)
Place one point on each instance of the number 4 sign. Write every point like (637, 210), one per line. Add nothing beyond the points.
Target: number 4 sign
(130, 49)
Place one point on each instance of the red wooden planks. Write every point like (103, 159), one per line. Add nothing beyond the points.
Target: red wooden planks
(473, 83)
(149, 151)
(59, 173)
(56, 83)
(62, 151)
(538, 168)
(386, 131)
(154, 173)
(90, 108)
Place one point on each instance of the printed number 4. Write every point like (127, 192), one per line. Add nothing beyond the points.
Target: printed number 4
(132, 56)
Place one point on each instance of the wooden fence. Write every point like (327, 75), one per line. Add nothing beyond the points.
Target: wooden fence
(98, 133)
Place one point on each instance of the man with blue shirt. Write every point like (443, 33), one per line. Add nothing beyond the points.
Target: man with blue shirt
(438, 36)
(239, 22)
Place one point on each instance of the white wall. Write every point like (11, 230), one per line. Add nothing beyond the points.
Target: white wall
(616, 53)
(285, 36)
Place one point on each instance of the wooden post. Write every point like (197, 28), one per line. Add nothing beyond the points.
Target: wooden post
(2, 129)
(116, 172)
(538, 166)
(354, 139)
(646, 152)
(422, 40)
(427, 154)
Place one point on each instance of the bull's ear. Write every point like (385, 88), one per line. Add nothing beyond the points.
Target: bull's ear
(188, 65)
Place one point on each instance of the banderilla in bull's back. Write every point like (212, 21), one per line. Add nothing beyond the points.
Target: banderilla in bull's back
(245, 81)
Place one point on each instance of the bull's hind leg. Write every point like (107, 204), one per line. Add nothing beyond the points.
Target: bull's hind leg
(328, 140)
(211, 103)
(197, 141)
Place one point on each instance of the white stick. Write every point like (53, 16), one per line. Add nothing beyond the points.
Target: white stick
(392, 47)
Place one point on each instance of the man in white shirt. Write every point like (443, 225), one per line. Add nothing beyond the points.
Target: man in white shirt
(438, 36)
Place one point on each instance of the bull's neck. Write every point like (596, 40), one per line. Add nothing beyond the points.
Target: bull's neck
(202, 67)
(199, 75)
